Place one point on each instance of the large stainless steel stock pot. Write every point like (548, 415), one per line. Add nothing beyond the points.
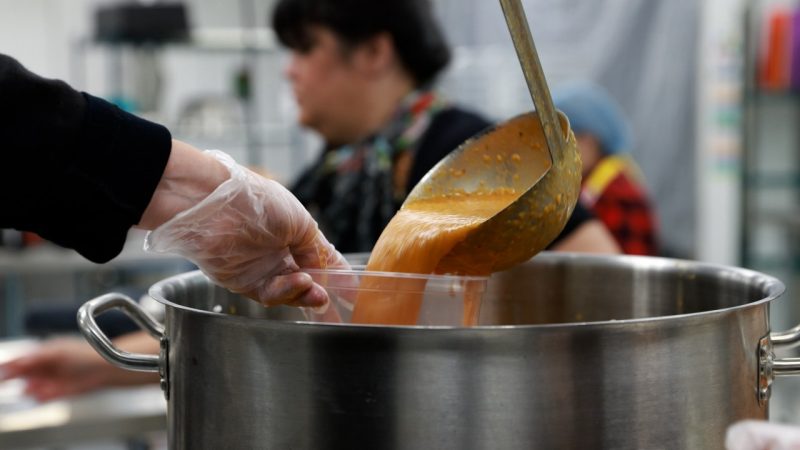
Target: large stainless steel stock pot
(572, 351)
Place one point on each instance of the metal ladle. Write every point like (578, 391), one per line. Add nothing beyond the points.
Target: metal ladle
(534, 154)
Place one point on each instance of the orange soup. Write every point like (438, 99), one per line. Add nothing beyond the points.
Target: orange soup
(416, 239)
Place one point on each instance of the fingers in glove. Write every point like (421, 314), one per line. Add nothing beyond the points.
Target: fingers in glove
(318, 253)
(315, 299)
(296, 289)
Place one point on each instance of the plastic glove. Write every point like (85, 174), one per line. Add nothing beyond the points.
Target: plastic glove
(760, 435)
(251, 236)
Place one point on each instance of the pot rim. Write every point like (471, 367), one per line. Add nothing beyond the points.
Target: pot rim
(773, 287)
(360, 269)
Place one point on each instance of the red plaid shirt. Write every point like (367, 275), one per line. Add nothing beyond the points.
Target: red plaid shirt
(614, 194)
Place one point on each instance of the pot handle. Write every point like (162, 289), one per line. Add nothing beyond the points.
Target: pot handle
(769, 366)
(786, 339)
(102, 344)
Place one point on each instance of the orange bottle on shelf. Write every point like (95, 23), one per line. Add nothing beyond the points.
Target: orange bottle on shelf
(775, 62)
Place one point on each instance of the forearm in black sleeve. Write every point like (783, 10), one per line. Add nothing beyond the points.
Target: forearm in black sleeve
(77, 170)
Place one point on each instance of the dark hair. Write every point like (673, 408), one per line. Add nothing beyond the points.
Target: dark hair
(418, 40)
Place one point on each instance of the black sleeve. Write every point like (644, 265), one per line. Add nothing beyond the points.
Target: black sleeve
(77, 170)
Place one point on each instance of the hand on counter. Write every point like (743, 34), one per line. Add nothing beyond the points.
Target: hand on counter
(70, 366)
(761, 435)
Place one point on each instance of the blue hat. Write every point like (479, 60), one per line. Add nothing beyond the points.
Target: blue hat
(591, 110)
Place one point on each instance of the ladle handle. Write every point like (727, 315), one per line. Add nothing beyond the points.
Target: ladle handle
(534, 76)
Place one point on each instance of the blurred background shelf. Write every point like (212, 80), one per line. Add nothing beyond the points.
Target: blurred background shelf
(770, 212)
(46, 277)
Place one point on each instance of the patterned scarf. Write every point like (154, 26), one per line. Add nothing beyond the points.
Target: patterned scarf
(354, 190)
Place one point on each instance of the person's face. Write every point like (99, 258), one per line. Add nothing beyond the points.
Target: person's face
(326, 84)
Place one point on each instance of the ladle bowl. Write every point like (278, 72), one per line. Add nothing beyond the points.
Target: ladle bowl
(534, 154)
(511, 157)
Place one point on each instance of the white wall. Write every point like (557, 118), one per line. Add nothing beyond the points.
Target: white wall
(719, 145)
(32, 30)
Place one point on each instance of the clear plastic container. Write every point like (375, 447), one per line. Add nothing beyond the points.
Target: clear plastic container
(389, 298)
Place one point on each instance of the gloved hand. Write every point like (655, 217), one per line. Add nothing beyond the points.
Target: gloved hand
(760, 435)
(251, 236)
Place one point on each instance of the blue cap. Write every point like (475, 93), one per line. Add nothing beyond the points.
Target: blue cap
(592, 110)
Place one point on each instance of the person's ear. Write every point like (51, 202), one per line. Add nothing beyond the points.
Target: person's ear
(376, 55)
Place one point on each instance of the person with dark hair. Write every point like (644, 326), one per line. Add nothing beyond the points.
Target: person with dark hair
(416, 37)
(362, 72)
